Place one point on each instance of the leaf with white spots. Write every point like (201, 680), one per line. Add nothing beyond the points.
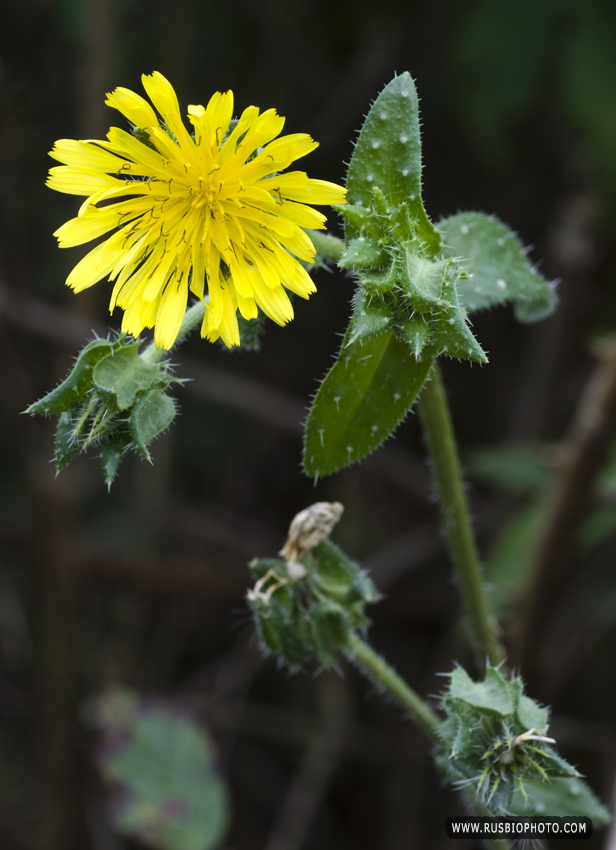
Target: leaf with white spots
(362, 252)
(363, 398)
(453, 336)
(496, 266)
(387, 157)
(371, 316)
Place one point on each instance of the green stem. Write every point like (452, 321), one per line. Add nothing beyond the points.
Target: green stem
(438, 429)
(377, 669)
(193, 316)
(328, 247)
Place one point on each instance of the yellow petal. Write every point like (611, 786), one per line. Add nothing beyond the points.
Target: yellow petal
(97, 264)
(132, 106)
(274, 302)
(297, 186)
(163, 96)
(78, 181)
(170, 313)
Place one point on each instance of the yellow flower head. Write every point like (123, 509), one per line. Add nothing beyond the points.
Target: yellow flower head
(209, 206)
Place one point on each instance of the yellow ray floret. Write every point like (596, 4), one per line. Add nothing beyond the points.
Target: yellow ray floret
(207, 210)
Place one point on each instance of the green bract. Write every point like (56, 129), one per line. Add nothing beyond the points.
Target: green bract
(308, 619)
(114, 398)
(416, 284)
(496, 749)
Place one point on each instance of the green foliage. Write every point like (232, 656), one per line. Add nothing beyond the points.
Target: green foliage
(167, 793)
(513, 467)
(413, 291)
(495, 267)
(366, 394)
(387, 157)
(309, 618)
(405, 310)
(496, 749)
(114, 399)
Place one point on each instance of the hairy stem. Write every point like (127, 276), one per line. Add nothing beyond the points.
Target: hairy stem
(377, 669)
(328, 247)
(441, 443)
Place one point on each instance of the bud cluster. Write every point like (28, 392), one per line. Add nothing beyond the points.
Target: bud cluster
(114, 399)
(402, 286)
(305, 615)
(495, 747)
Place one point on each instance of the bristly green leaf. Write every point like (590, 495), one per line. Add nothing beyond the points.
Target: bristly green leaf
(421, 280)
(112, 453)
(529, 713)
(151, 416)
(453, 337)
(362, 252)
(66, 446)
(339, 577)
(371, 317)
(496, 266)
(115, 400)
(330, 630)
(560, 797)
(123, 374)
(492, 694)
(72, 390)
(363, 398)
(358, 219)
(388, 156)
(416, 332)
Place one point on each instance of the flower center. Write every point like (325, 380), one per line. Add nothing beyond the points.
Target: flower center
(206, 194)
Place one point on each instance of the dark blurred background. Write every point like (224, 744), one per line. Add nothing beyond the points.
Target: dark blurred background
(143, 586)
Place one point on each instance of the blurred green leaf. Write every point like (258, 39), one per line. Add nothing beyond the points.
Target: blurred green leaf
(168, 794)
(560, 797)
(514, 467)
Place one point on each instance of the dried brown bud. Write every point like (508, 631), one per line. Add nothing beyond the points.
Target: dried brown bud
(308, 528)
